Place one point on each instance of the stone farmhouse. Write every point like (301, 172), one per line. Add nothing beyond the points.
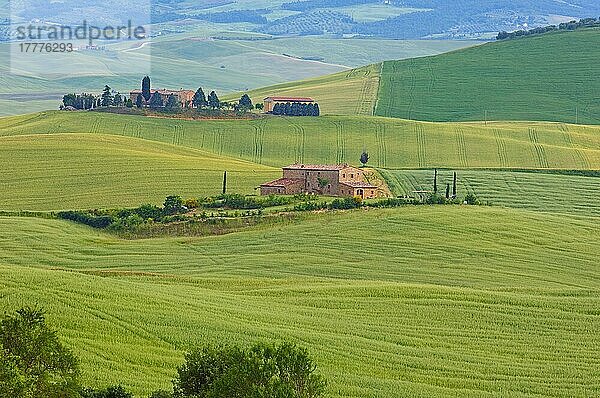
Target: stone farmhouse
(329, 180)
(184, 97)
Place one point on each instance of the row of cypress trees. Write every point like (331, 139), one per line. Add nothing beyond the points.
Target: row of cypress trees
(296, 109)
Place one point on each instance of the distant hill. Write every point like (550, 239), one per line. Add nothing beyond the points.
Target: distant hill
(346, 93)
(547, 77)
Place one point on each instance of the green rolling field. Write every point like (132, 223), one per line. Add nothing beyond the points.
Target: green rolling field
(548, 77)
(437, 301)
(550, 193)
(392, 143)
(80, 171)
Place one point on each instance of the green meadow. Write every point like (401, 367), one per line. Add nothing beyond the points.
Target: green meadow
(81, 171)
(392, 143)
(566, 193)
(548, 77)
(435, 302)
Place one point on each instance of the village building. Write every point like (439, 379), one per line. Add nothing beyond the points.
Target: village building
(184, 97)
(329, 180)
(270, 102)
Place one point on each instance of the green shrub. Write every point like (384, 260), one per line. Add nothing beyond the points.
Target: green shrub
(173, 205)
(109, 392)
(161, 394)
(435, 199)
(284, 371)
(192, 203)
(101, 222)
(346, 203)
(471, 199)
(310, 206)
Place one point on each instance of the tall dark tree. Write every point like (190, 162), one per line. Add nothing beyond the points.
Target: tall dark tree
(213, 100)
(435, 186)
(107, 97)
(199, 100)
(317, 110)
(172, 102)
(303, 109)
(224, 183)
(156, 101)
(146, 88)
(448, 191)
(364, 158)
(454, 186)
(118, 100)
(139, 101)
(246, 103)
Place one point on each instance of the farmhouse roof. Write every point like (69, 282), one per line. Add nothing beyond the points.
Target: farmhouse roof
(290, 99)
(283, 182)
(318, 167)
(358, 184)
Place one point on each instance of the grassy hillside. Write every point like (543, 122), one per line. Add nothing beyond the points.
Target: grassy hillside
(554, 193)
(346, 93)
(440, 301)
(74, 171)
(392, 143)
(548, 77)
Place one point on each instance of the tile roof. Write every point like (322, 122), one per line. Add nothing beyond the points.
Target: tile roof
(290, 99)
(321, 167)
(283, 182)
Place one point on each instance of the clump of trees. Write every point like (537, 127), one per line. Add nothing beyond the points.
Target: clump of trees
(275, 371)
(82, 101)
(156, 100)
(296, 109)
(35, 363)
(572, 25)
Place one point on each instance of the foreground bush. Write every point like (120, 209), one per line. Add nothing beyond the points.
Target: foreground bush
(109, 392)
(284, 371)
(34, 363)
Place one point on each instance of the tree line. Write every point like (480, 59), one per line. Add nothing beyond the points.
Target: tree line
(296, 109)
(155, 100)
(35, 364)
(572, 25)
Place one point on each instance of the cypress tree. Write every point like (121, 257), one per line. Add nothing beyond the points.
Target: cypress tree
(199, 100)
(139, 101)
(454, 187)
(156, 101)
(435, 187)
(448, 191)
(213, 100)
(107, 98)
(146, 88)
(224, 182)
